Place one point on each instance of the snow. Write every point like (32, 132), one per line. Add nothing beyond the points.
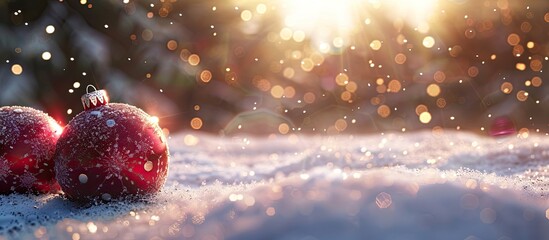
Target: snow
(422, 185)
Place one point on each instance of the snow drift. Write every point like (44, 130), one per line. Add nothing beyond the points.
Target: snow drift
(391, 186)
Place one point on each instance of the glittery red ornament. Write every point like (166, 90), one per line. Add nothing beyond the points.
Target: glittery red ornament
(27, 145)
(110, 151)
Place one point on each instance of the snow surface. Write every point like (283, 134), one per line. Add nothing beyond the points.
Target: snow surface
(394, 186)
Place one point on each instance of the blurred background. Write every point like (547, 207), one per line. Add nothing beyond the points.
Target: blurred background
(286, 66)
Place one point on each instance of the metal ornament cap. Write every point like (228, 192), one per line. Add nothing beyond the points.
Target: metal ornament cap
(95, 98)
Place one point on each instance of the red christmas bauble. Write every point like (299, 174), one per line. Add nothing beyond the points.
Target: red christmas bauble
(27, 145)
(110, 151)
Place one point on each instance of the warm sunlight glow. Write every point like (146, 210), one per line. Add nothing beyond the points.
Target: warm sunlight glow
(334, 22)
(56, 127)
(321, 20)
(414, 13)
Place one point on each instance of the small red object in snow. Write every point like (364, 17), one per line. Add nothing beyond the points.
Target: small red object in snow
(111, 151)
(27, 145)
(502, 126)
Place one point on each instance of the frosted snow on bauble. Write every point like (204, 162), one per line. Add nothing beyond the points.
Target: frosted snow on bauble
(27, 145)
(111, 151)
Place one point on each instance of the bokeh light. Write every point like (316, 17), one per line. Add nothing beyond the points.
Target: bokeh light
(46, 56)
(196, 123)
(171, 45)
(194, 59)
(428, 42)
(425, 117)
(506, 87)
(433, 90)
(16, 69)
(50, 29)
(324, 66)
(206, 76)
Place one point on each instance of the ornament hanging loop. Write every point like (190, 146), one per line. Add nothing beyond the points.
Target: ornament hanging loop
(88, 88)
(95, 98)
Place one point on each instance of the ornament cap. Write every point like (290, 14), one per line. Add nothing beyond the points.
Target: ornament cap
(95, 98)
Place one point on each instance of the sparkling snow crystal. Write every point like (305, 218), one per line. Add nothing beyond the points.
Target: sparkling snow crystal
(392, 186)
